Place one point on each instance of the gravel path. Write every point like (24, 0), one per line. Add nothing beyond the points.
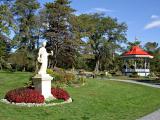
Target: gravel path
(152, 116)
(135, 82)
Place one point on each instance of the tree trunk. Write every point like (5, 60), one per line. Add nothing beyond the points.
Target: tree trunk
(0, 67)
(54, 64)
(97, 67)
(37, 42)
(73, 69)
(24, 69)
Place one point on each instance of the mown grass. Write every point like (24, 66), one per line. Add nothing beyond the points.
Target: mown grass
(97, 100)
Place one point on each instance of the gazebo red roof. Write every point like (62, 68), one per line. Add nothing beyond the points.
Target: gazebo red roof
(137, 52)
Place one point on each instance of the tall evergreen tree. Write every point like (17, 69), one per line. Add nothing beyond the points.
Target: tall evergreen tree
(25, 16)
(6, 24)
(59, 32)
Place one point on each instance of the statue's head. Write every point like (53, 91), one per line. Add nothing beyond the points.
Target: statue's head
(44, 44)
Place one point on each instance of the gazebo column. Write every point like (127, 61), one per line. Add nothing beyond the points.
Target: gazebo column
(145, 63)
(125, 62)
(148, 65)
(135, 64)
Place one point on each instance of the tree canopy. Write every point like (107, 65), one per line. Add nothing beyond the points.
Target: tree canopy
(88, 41)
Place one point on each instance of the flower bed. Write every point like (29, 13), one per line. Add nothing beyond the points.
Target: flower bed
(60, 93)
(24, 95)
(29, 95)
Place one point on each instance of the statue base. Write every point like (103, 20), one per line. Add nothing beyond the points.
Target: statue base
(42, 83)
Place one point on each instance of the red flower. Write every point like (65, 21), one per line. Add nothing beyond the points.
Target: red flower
(25, 95)
(60, 93)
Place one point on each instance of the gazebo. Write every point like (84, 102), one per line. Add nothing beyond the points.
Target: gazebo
(136, 60)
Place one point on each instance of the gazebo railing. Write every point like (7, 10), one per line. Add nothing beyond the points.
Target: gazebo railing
(137, 70)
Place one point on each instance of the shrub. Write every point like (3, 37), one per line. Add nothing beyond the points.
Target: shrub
(59, 93)
(82, 80)
(108, 75)
(118, 73)
(152, 75)
(69, 78)
(57, 76)
(25, 95)
(49, 71)
(132, 67)
(134, 75)
(62, 76)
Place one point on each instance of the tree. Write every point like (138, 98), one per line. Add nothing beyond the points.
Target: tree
(153, 49)
(104, 33)
(23, 60)
(6, 18)
(6, 23)
(25, 16)
(151, 46)
(59, 32)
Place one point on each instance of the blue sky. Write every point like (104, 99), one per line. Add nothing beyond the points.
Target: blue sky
(141, 16)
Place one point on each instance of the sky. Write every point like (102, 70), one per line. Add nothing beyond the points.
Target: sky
(141, 16)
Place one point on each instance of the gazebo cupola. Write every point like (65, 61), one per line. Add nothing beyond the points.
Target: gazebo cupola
(136, 60)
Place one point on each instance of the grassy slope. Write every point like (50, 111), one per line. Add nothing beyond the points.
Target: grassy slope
(97, 100)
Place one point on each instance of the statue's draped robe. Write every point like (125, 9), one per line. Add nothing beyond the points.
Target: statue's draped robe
(43, 59)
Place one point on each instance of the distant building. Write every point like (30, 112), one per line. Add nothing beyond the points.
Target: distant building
(136, 60)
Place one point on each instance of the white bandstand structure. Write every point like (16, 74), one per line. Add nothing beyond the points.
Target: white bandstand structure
(136, 60)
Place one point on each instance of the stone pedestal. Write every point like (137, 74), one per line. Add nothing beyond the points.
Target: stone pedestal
(42, 83)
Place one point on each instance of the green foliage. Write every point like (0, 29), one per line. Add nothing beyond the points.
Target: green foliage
(118, 73)
(57, 76)
(62, 77)
(152, 75)
(104, 34)
(69, 78)
(80, 80)
(24, 14)
(134, 75)
(2, 48)
(108, 75)
(153, 49)
(136, 42)
(151, 46)
(63, 31)
(6, 19)
(60, 30)
(23, 60)
(50, 71)
(6, 22)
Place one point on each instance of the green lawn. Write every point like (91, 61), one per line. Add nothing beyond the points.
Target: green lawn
(97, 100)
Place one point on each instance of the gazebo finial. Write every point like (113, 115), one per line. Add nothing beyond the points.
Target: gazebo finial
(136, 39)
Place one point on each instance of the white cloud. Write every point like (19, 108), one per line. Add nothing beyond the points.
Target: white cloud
(155, 17)
(102, 10)
(77, 13)
(153, 24)
(94, 10)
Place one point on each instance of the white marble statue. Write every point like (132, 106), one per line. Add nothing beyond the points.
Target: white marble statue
(43, 59)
